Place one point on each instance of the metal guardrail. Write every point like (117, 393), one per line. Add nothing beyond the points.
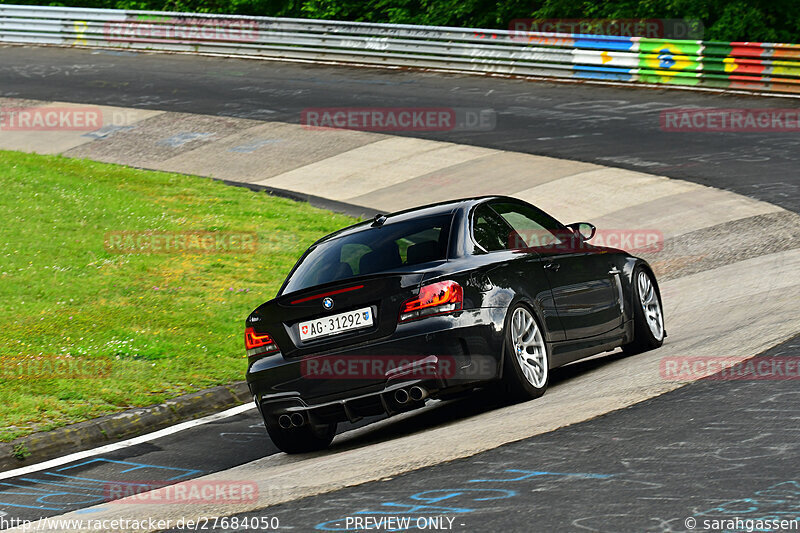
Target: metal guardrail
(770, 67)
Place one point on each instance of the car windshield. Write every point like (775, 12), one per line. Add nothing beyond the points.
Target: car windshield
(372, 250)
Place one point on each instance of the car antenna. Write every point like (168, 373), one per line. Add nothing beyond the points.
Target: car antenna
(378, 220)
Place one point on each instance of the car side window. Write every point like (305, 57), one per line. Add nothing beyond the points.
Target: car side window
(532, 227)
(489, 230)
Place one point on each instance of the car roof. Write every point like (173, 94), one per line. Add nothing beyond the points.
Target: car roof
(439, 208)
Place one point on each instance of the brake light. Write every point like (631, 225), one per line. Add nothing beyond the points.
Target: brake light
(256, 344)
(434, 299)
(324, 294)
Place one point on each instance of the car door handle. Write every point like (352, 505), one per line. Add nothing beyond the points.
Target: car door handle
(552, 266)
(615, 270)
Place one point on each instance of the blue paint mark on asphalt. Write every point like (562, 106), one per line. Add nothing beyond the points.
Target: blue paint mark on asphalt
(450, 493)
(176, 141)
(34, 496)
(57, 491)
(106, 131)
(777, 502)
(135, 466)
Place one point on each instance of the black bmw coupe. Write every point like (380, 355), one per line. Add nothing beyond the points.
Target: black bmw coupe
(381, 316)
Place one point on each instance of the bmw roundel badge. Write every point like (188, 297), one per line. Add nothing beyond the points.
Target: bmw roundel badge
(327, 303)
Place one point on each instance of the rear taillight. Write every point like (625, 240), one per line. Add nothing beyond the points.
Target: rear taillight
(257, 344)
(434, 299)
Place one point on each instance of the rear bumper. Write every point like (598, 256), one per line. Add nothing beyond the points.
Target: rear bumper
(437, 353)
(351, 408)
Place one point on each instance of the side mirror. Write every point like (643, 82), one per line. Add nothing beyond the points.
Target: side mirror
(584, 230)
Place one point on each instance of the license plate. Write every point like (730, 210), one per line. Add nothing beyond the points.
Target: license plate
(331, 325)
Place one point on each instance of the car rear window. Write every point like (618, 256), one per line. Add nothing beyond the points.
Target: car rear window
(374, 249)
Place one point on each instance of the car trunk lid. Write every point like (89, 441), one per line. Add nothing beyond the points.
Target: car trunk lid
(378, 295)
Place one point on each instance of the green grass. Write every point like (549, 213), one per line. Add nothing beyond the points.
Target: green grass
(133, 328)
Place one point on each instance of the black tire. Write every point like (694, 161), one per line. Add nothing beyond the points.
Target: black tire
(643, 338)
(307, 438)
(513, 385)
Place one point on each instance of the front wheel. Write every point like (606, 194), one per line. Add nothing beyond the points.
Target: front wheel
(526, 370)
(648, 318)
(303, 439)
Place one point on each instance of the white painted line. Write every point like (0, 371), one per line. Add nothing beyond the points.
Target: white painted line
(129, 442)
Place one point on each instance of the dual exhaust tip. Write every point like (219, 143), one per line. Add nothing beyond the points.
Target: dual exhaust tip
(293, 420)
(413, 394)
(401, 396)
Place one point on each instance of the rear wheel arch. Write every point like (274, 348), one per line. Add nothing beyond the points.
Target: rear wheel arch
(535, 307)
(512, 384)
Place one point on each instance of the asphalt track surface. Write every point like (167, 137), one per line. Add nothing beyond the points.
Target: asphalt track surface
(178, 457)
(645, 468)
(713, 450)
(612, 126)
